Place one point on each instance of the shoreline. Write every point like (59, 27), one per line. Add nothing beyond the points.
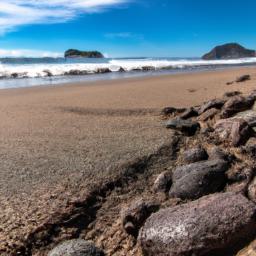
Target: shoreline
(112, 76)
(58, 143)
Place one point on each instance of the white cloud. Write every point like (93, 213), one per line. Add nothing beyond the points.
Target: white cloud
(28, 53)
(15, 13)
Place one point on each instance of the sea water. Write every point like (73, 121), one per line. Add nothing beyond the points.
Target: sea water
(26, 72)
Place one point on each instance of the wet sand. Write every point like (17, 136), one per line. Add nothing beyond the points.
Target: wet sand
(58, 143)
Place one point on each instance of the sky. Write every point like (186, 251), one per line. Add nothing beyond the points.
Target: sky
(124, 28)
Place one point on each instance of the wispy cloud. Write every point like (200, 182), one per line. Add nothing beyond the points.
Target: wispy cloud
(124, 35)
(28, 53)
(16, 13)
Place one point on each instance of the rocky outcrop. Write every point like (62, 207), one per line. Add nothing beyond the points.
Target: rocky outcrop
(201, 227)
(229, 51)
(72, 53)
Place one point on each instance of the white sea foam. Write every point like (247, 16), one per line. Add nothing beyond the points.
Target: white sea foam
(59, 69)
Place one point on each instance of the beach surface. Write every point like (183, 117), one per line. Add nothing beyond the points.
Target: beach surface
(59, 143)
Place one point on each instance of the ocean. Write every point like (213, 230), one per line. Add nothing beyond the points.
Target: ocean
(27, 72)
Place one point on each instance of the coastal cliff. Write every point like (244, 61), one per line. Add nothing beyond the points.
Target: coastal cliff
(229, 51)
(72, 53)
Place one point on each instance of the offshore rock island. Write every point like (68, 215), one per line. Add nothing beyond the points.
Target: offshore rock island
(73, 53)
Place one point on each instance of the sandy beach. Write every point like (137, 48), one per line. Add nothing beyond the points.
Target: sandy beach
(58, 143)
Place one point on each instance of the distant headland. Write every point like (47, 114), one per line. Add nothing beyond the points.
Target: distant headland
(73, 53)
(229, 51)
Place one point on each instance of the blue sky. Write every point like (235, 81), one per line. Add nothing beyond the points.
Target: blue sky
(174, 28)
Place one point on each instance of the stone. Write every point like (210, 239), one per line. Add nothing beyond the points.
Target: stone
(216, 103)
(76, 247)
(252, 190)
(236, 104)
(209, 114)
(198, 179)
(187, 127)
(194, 155)
(249, 116)
(250, 147)
(103, 70)
(243, 78)
(235, 130)
(163, 182)
(190, 112)
(217, 153)
(231, 94)
(171, 110)
(208, 226)
(134, 216)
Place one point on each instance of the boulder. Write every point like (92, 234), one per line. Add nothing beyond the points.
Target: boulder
(250, 147)
(194, 155)
(209, 114)
(231, 94)
(190, 112)
(187, 127)
(103, 70)
(134, 216)
(207, 226)
(249, 116)
(235, 130)
(229, 51)
(163, 182)
(235, 105)
(217, 153)
(171, 110)
(216, 103)
(198, 179)
(76, 247)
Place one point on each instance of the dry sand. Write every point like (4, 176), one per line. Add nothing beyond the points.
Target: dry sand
(57, 143)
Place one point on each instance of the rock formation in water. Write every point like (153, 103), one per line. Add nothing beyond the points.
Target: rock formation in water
(229, 51)
(72, 53)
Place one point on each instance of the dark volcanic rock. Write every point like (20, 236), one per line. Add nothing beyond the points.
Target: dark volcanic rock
(229, 51)
(76, 247)
(243, 78)
(198, 179)
(72, 53)
(235, 130)
(194, 155)
(231, 94)
(190, 112)
(135, 215)
(187, 127)
(171, 110)
(250, 147)
(203, 227)
(103, 70)
(235, 105)
(209, 114)
(217, 153)
(217, 103)
(163, 182)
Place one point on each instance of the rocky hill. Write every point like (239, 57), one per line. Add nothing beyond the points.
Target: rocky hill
(229, 51)
(72, 53)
